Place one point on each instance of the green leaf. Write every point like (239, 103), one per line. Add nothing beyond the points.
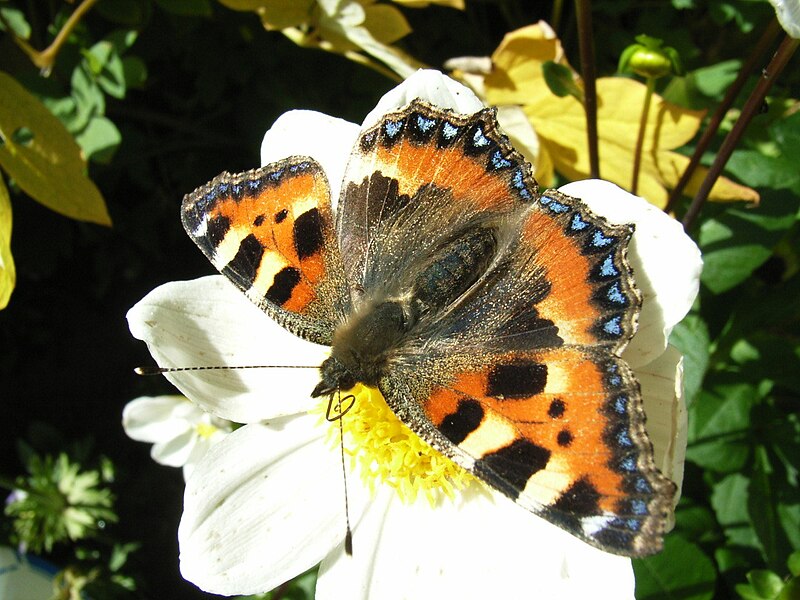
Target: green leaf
(681, 570)
(715, 79)
(776, 167)
(696, 522)
(765, 355)
(8, 273)
(691, 337)
(135, 72)
(719, 422)
(794, 564)
(791, 591)
(99, 140)
(89, 98)
(729, 501)
(765, 583)
(560, 80)
(16, 21)
(762, 507)
(738, 241)
(48, 167)
(104, 63)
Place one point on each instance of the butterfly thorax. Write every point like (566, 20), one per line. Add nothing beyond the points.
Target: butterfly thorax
(363, 345)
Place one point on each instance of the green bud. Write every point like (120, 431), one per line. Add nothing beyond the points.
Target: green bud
(649, 58)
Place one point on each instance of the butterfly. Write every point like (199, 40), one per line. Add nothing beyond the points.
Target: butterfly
(490, 315)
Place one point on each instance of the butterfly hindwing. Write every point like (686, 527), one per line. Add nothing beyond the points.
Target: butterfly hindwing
(270, 231)
(559, 431)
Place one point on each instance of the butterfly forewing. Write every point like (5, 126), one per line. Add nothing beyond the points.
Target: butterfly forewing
(417, 179)
(270, 231)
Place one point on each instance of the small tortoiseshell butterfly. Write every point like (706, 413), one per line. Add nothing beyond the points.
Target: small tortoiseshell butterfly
(490, 316)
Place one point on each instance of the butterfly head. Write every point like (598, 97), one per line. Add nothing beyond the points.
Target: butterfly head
(362, 346)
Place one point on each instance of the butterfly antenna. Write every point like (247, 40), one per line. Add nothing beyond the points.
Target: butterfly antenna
(335, 413)
(160, 370)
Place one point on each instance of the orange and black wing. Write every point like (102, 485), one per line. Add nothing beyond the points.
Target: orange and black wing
(270, 231)
(418, 176)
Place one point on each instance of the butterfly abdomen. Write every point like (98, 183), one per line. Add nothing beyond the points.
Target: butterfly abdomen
(453, 269)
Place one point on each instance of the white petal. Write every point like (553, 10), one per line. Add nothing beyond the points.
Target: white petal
(788, 13)
(208, 321)
(664, 405)
(175, 452)
(666, 263)
(153, 419)
(518, 128)
(264, 505)
(482, 547)
(327, 140)
(431, 86)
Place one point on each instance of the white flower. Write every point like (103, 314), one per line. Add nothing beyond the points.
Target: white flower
(180, 431)
(267, 503)
(788, 13)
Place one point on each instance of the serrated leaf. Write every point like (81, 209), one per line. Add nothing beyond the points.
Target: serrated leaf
(49, 167)
(8, 272)
(681, 570)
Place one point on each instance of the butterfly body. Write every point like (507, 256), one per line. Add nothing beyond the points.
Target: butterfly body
(490, 316)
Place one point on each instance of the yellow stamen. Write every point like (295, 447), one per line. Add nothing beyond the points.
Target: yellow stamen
(205, 430)
(387, 451)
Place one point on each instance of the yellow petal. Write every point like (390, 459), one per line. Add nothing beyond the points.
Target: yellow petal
(672, 165)
(386, 23)
(517, 76)
(516, 125)
(43, 158)
(8, 273)
(276, 14)
(561, 125)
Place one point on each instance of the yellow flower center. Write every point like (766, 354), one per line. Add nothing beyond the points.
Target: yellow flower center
(387, 451)
(205, 430)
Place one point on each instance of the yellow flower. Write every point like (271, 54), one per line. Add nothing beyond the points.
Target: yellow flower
(560, 123)
(361, 30)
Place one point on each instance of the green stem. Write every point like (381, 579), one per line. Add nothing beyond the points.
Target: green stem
(583, 11)
(47, 57)
(767, 39)
(749, 110)
(637, 152)
(555, 14)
